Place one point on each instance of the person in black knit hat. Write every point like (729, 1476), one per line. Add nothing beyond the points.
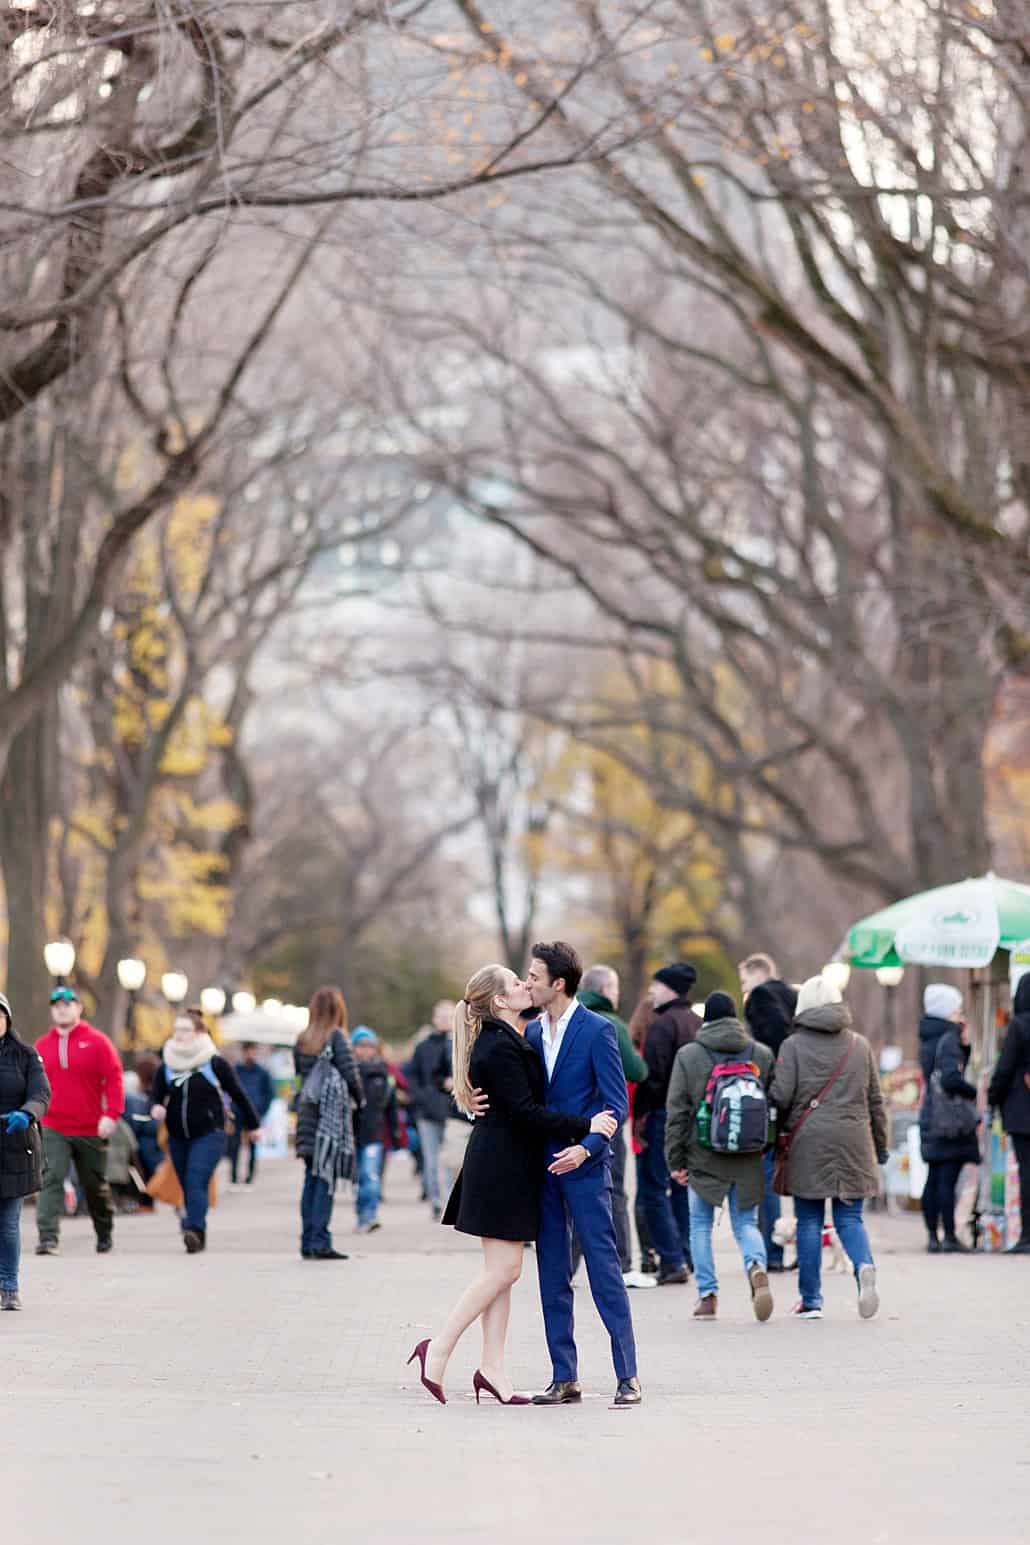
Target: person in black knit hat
(665, 1206)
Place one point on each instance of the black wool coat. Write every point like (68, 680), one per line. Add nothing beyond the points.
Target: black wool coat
(23, 1086)
(941, 1050)
(497, 1193)
(1010, 1082)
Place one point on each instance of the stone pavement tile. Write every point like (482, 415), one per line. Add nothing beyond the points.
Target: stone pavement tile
(247, 1395)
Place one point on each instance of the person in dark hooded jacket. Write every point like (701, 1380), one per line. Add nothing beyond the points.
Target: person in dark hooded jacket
(769, 1008)
(24, 1098)
(371, 1122)
(943, 1049)
(666, 1206)
(716, 1178)
(1009, 1092)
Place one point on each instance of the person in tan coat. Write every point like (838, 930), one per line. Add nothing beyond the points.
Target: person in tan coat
(827, 1091)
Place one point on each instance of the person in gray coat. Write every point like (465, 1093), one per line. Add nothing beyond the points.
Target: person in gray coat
(837, 1134)
(713, 1178)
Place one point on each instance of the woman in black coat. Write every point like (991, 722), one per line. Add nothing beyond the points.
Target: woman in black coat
(496, 1196)
(1010, 1093)
(944, 1049)
(24, 1098)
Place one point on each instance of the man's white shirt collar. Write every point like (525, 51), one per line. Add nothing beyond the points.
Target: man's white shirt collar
(553, 1035)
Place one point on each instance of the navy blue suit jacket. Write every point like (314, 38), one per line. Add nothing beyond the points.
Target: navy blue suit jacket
(587, 1078)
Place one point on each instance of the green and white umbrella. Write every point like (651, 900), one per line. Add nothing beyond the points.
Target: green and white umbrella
(961, 926)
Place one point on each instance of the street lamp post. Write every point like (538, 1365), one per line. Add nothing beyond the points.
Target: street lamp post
(132, 973)
(890, 978)
(59, 955)
(212, 1001)
(175, 985)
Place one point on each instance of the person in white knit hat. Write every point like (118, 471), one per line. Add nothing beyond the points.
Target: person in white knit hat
(827, 1091)
(944, 1050)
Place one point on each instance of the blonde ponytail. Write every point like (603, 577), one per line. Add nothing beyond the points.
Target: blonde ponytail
(474, 1007)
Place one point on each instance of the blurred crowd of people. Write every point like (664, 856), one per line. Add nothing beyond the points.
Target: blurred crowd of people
(75, 1127)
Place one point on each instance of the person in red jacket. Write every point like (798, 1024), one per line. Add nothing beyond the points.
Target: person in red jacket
(88, 1098)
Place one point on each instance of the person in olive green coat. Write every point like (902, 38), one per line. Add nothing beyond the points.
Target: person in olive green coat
(714, 1178)
(834, 1155)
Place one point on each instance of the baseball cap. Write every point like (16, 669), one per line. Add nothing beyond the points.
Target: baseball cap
(64, 995)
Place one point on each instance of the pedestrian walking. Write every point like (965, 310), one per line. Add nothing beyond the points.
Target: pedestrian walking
(639, 1024)
(328, 1095)
(1009, 1093)
(87, 1099)
(431, 1083)
(667, 1207)
(24, 1098)
(833, 1134)
(190, 1091)
(137, 1114)
(947, 1119)
(372, 1121)
(496, 1197)
(769, 1006)
(725, 1069)
(599, 992)
(256, 1083)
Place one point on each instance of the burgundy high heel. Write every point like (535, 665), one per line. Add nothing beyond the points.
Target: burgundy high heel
(436, 1390)
(480, 1382)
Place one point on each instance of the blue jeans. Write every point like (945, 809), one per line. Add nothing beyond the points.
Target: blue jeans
(10, 1243)
(668, 1216)
(769, 1212)
(745, 1230)
(195, 1160)
(316, 1212)
(431, 1137)
(847, 1220)
(370, 1174)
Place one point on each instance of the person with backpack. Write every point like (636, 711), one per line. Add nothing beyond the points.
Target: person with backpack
(833, 1133)
(24, 1097)
(329, 1093)
(189, 1093)
(947, 1117)
(716, 1133)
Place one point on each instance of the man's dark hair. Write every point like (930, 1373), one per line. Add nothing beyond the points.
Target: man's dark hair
(249, 1046)
(561, 960)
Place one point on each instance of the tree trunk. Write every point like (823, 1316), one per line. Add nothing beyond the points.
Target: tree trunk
(26, 807)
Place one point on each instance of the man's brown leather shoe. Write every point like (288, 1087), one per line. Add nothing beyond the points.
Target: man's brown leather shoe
(565, 1393)
(628, 1393)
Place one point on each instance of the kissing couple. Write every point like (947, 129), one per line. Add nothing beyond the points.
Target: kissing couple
(548, 1097)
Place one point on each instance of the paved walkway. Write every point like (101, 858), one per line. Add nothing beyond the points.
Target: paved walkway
(245, 1395)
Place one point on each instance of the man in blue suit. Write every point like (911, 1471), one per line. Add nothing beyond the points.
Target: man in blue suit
(580, 1053)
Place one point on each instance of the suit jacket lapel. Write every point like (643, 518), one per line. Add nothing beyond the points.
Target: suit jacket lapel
(571, 1031)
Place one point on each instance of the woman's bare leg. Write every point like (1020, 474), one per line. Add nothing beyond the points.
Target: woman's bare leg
(495, 1335)
(502, 1267)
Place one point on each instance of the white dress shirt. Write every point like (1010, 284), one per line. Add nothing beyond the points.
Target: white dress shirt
(554, 1034)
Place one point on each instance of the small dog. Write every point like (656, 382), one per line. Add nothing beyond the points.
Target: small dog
(785, 1232)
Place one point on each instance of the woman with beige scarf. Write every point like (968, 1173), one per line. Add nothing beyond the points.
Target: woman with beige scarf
(189, 1095)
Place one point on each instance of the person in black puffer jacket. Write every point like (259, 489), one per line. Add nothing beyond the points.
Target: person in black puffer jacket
(189, 1093)
(1010, 1093)
(328, 1156)
(24, 1098)
(944, 1049)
